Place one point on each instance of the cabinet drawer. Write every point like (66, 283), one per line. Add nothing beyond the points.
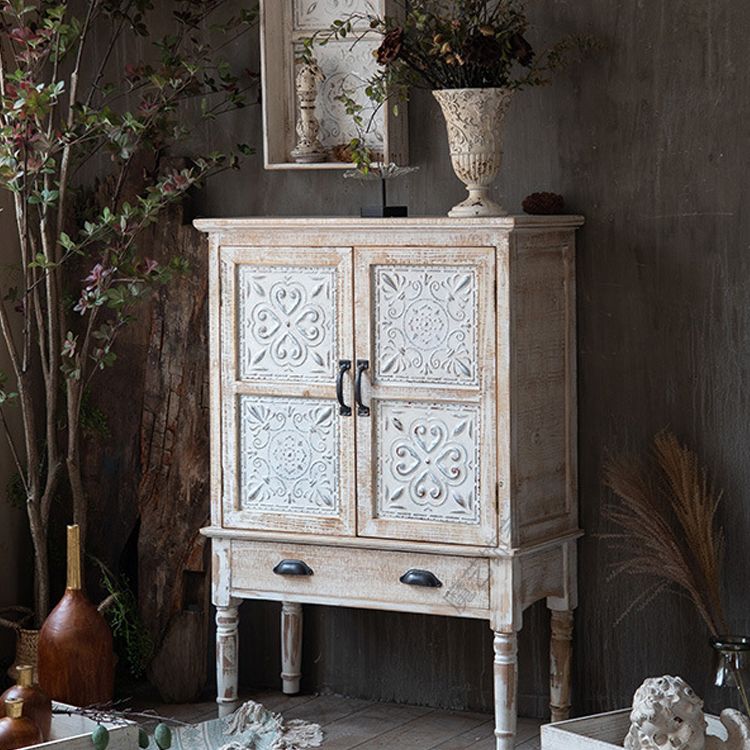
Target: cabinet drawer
(362, 578)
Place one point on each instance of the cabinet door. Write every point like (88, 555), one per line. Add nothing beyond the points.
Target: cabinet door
(425, 323)
(287, 451)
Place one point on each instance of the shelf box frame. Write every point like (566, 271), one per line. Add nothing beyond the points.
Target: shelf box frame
(278, 37)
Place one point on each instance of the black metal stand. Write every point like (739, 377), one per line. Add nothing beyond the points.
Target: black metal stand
(383, 211)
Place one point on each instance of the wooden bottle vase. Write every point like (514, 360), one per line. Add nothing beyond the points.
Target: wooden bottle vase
(76, 659)
(17, 730)
(36, 705)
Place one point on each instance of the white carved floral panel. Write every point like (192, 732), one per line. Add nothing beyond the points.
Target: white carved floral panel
(310, 15)
(426, 325)
(287, 323)
(289, 456)
(427, 461)
(347, 70)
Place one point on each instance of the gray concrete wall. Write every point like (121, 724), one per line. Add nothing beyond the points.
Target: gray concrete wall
(650, 140)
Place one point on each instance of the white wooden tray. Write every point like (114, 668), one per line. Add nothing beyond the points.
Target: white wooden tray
(602, 731)
(74, 733)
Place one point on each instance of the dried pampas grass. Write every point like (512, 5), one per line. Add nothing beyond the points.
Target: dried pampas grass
(665, 513)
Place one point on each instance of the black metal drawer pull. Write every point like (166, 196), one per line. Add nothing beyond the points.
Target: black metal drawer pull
(293, 568)
(424, 578)
(362, 410)
(344, 366)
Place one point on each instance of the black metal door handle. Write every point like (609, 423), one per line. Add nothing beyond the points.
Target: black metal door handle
(424, 578)
(293, 568)
(344, 366)
(362, 410)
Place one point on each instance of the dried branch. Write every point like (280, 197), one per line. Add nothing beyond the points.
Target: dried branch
(116, 712)
(666, 515)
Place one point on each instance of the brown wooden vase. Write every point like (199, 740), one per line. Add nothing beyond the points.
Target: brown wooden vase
(76, 660)
(36, 705)
(17, 730)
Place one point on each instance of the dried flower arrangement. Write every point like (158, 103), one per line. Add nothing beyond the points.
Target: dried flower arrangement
(665, 513)
(450, 44)
(445, 44)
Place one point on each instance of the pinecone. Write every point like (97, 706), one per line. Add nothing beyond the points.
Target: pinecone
(543, 204)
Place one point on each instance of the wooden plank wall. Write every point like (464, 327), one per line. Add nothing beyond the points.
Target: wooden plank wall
(650, 141)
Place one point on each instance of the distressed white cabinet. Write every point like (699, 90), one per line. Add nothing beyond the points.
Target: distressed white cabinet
(393, 427)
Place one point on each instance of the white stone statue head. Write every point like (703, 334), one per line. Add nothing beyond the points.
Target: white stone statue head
(666, 715)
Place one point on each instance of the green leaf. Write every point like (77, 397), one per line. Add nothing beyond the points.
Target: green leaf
(66, 242)
(143, 740)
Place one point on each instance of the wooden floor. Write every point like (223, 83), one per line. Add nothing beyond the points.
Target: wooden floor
(350, 723)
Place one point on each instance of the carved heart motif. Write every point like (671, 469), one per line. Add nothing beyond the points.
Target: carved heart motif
(452, 463)
(286, 299)
(427, 487)
(287, 348)
(408, 460)
(429, 438)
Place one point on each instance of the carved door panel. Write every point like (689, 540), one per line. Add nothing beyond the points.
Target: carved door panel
(425, 321)
(287, 451)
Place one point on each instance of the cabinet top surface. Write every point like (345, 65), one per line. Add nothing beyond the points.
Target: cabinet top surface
(441, 223)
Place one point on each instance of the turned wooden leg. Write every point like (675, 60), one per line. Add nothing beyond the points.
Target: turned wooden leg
(561, 671)
(506, 687)
(227, 641)
(291, 647)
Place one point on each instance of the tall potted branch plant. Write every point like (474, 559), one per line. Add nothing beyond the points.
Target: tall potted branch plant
(474, 56)
(65, 110)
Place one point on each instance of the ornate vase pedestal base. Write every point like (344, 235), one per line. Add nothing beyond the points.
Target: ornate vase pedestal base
(313, 157)
(478, 203)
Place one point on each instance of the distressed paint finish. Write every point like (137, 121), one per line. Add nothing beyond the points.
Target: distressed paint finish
(425, 303)
(606, 731)
(227, 646)
(287, 459)
(390, 285)
(560, 668)
(505, 646)
(475, 120)
(291, 647)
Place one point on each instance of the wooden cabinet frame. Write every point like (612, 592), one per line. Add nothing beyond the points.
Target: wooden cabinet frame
(519, 379)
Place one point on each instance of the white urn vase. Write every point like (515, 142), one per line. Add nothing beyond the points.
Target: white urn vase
(475, 119)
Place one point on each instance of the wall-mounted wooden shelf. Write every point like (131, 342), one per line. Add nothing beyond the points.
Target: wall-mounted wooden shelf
(346, 66)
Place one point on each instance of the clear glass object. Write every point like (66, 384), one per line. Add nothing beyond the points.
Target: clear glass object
(383, 173)
(732, 664)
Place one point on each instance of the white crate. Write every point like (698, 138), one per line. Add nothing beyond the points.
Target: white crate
(602, 731)
(74, 733)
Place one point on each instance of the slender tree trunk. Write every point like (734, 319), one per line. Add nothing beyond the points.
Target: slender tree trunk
(41, 561)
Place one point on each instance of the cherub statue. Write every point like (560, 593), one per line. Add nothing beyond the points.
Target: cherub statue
(668, 715)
